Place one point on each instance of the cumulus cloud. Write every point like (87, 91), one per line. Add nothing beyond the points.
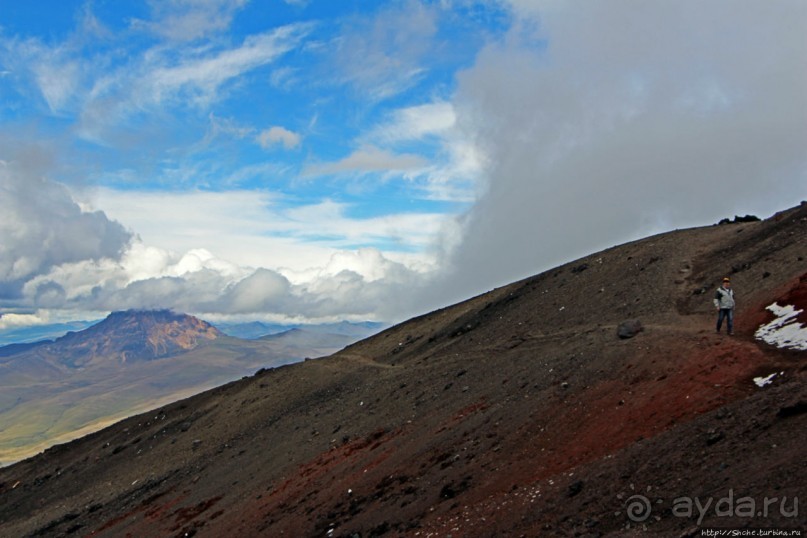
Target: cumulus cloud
(598, 123)
(11, 320)
(279, 135)
(43, 227)
(362, 284)
(330, 281)
(59, 257)
(262, 291)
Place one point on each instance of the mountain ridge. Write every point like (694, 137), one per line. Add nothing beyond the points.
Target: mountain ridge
(516, 412)
(124, 335)
(54, 391)
(258, 329)
(135, 335)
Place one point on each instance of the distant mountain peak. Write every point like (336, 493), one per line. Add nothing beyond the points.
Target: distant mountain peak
(133, 335)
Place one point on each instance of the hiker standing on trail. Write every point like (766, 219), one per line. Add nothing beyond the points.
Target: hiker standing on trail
(724, 302)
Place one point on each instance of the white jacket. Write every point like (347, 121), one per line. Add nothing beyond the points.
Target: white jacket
(724, 298)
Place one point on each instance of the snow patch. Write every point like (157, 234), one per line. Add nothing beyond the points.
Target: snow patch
(784, 332)
(762, 381)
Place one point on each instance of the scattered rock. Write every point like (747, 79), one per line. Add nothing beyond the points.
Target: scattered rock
(713, 436)
(738, 219)
(575, 488)
(629, 328)
(451, 490)
(580, 268)
(740, 267)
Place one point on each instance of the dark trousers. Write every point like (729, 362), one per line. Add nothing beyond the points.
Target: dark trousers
(728, 314)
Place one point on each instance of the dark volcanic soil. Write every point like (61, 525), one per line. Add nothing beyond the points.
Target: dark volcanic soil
(516, 413)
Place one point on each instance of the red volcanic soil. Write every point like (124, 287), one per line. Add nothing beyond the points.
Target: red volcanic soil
(516, 413)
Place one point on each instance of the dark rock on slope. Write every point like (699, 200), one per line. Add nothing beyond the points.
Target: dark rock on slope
(516, 413)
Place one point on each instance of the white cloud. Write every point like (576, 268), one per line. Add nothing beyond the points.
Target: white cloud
(105, 87)
(256, 228)
(386, 54)
(201, 78)
(279, 135)
(364, 284)
(285, 77)
(415, 123)
(453, 172)
(11, 320)
(58, 81)
(55, 72)
(368, 159)
(411, 231)
(262, 291)
(327, 282)
(185, 20)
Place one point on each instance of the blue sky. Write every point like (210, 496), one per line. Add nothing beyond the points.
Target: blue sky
(321, 160)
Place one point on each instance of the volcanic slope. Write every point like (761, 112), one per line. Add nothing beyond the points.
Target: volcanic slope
(516, 413)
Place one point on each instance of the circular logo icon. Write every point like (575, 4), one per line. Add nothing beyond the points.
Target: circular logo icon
(638, 508)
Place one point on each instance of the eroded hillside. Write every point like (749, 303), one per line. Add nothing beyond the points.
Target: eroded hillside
(516, 413)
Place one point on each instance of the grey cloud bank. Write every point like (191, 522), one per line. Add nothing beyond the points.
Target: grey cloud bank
(42, 227)
(602, 122)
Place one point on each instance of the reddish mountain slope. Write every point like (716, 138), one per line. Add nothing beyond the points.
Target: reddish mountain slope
(133, 335)
(516, 413)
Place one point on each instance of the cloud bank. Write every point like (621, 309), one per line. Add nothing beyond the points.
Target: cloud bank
(43, 228)
(66, 257)
(603, 122)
